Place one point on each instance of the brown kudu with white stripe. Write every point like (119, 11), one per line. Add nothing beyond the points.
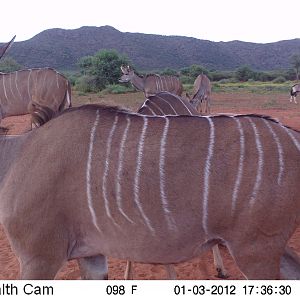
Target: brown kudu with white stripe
(150, 189)
(201, 94)
(165, 103)
(151, 84)
(36, 91)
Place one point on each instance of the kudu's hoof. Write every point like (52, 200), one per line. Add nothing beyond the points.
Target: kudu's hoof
(221, 274)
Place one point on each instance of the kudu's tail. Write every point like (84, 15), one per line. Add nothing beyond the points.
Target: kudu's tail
(40, 114)
(290, 264)
(67, 99)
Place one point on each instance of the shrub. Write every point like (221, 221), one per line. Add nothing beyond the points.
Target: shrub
(8, 64)
(86, 84)
(279, 79)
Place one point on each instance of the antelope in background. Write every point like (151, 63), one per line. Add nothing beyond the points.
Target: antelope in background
(151, 84)
(117, 186)
(201, 94)
(165, 103)
(41, 92)
(295, 89)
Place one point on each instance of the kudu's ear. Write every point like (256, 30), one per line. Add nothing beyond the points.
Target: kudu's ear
(6, 46)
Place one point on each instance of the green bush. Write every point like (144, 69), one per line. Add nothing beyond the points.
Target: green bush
(103, 68)
(8, 64)
(279, 79)
(86, 84)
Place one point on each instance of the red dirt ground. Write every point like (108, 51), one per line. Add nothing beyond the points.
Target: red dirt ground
(276, 106)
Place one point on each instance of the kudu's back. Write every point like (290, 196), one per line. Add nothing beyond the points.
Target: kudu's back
(165, 103)
(152, 189)
(156, 83)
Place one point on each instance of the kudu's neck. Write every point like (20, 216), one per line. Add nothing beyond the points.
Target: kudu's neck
(10, 148)
(137, 82)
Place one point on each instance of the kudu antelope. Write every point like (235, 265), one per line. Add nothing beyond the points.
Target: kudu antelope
(151, 84)
(117, 186)
(295, 89)
(6, 46)
(35, 91)
(165, 103)
(201, 94)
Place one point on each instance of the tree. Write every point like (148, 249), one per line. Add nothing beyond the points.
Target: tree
(103, 68)
(193, 71)
(8, 64)
(244, 73)
(295, 61)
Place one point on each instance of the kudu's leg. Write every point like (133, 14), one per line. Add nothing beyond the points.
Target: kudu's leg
(171, 273)
(290, 265)
(40, 268)
(128, 272)
(218, 261)
(256, 260)
(93, 267)
(208, 105)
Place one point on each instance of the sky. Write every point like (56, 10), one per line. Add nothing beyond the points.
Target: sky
(259, 21)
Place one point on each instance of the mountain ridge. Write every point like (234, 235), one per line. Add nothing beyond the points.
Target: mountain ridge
(62, 48)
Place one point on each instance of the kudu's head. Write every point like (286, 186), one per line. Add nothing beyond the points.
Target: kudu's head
(128, 73)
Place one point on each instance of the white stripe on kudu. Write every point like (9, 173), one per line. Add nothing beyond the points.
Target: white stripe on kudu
(136, 187)
(11, 89)
(207, 172)
(88, 172)
(280, 151)
(184, 105)
(157, 107)
(169, 104)
(120, 168)
(16, 83)
(260, 163)
(106, 170)
(151, 110)
(296, 143)
(4, 90)
(163, 196)
(28, 83)
(240, 167)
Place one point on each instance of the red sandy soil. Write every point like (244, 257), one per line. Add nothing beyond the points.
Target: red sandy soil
(200, 267)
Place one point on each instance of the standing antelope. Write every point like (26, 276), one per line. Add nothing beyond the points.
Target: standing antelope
(165, 103)
(6, 46)
(35, 91)
(137, 188)
(151, 83)
(201, 93)
(295, 89)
